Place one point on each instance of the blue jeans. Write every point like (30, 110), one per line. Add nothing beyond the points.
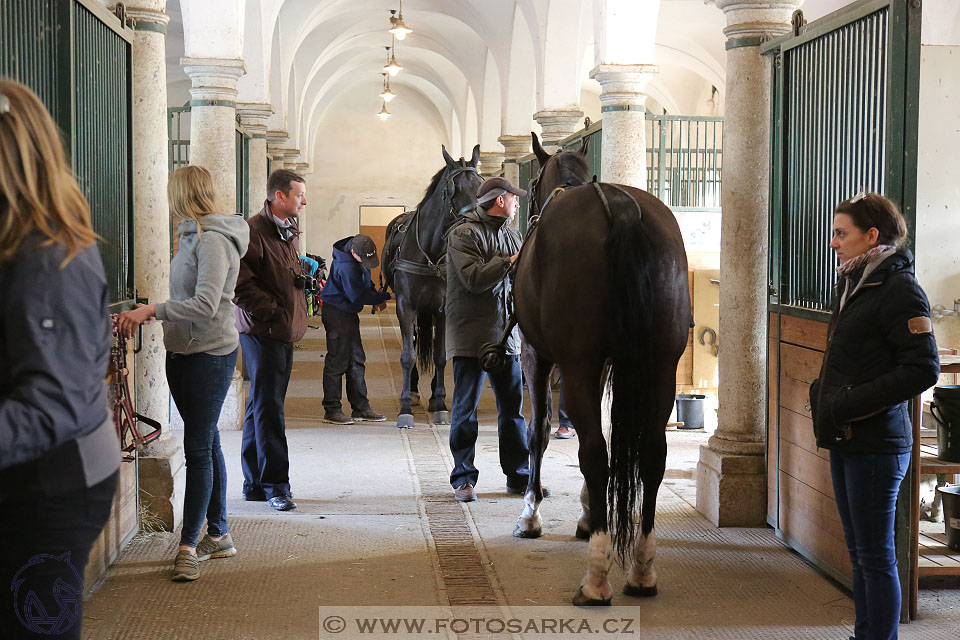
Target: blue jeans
(263, 450)
(507, 387)
(561, 406)
(866, 487)
(199, 383)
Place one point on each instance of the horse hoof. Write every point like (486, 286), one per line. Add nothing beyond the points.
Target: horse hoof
(415, 399)
(441, 417)
(582, 534)
(405, 421)
(639, 592)
(523, 533)
(581, 600)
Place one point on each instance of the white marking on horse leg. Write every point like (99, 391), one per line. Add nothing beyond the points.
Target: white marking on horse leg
(583, 524)
(642, 573)
(596, 583)
(530, 520)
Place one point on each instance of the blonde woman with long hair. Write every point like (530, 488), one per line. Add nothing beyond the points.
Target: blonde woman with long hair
(59, 454)
(201, 342)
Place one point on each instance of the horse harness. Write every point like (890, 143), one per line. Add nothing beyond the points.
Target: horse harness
(433, 269)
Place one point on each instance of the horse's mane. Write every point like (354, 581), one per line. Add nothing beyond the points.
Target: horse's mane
(434, 181)
(573, 168)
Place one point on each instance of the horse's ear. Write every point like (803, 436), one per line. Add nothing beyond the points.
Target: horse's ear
(476, 156)
(447, 158)
(584, 146)
(542, 155)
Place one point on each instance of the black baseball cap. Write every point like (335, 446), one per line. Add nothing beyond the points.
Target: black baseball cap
(364, 247)
(493, 188)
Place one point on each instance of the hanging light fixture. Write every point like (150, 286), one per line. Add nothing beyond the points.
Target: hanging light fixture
(384, 114)
(392, 67)
(386, 94)
(397, 27)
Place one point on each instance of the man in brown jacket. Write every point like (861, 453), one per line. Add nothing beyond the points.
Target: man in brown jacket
(271, 316)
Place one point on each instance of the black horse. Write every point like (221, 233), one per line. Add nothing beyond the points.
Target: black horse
(602, 291)
(414, 267)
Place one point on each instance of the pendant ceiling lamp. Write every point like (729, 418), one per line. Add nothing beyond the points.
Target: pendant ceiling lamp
(397, 28)
(384, 114)
(386, 94)
(392, 67)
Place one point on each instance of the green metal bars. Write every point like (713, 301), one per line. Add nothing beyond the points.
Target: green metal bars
(838, 129)
(76, 56)
(685, 161)
(243, 171)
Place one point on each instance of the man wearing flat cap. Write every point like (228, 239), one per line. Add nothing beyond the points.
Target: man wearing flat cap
(348, 289)
(480, 251)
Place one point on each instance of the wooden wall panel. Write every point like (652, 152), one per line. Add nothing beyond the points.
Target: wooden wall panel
(807, 514)
(807, 333)
(773, 417)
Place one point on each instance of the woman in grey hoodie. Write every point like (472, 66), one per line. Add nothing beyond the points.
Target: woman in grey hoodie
(201, 342)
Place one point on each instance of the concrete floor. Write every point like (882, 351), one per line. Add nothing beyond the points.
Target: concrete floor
(376, 534)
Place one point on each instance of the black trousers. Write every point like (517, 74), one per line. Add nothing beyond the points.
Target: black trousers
(264, 456)
(46, 541)
(344, 356)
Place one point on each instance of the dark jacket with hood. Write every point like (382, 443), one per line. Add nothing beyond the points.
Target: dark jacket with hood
(478, 289)
(349, 286)
(880, 353)
(268, 302)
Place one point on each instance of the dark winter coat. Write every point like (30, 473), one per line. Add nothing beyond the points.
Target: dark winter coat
(268, 303)
(349, 286)
(478, 289)
(56, 434)
(880, 353)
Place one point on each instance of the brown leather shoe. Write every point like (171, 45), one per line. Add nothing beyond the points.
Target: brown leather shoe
(368, 415)
(337, 418)
(465, 493)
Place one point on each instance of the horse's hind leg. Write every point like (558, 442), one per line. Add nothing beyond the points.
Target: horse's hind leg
(537, 372)
(642, 577)
(581, 390)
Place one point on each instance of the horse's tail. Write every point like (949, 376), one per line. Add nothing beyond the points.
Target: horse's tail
(631, 250)
(426, 339)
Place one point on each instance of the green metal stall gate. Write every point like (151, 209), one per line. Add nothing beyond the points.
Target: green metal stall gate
(76, 56)
(844, 114)
(684, 161)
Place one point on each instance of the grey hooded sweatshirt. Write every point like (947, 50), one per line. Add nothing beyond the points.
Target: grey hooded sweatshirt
(199, 316)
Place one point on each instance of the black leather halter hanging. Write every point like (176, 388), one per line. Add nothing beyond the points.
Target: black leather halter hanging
(436, 269)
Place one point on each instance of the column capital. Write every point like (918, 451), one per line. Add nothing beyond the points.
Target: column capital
(751, 22)
(303, 168)
(275, 140)
(491, 163)
(213, 80)
(290, 156)
(557, 124)
(623, 86)
(515, 146)
(253, 116)
(147, 18)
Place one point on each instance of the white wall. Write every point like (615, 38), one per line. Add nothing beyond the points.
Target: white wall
(361, 160)
(938, 184)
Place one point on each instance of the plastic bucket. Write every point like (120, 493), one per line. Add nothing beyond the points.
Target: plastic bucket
(945, 409)
(950, 496)
(690, 410)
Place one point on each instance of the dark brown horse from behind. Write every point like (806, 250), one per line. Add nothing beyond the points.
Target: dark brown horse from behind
(601, 284)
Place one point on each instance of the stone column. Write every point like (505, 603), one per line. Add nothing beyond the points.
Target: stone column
(161, 476)
(275, 141)
(557, 124)
(213, 115)
(253, 117)
(290, 157)
(515, 147)
(624, 145)
(731, 474)
(491, 163)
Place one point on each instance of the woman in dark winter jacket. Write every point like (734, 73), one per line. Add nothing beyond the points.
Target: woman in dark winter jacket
(880, 353)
